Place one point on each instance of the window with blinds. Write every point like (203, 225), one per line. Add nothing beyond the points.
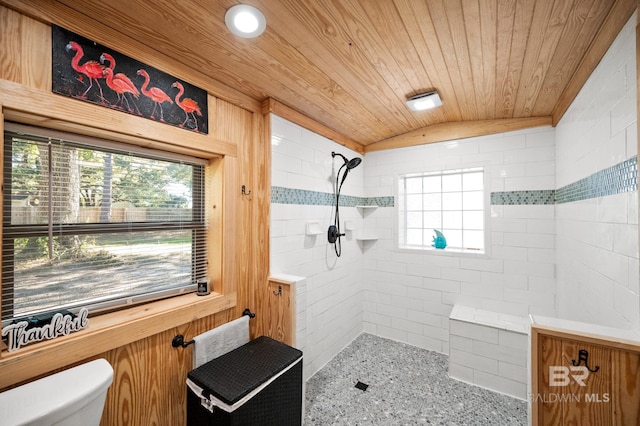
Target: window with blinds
(97, 224)
(450, 201)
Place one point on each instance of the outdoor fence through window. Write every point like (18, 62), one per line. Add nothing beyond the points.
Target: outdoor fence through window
(98, 224)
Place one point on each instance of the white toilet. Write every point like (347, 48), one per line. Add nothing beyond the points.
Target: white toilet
(74, 397)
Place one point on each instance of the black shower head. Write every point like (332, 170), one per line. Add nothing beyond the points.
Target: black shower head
(351, 164)
(354, 163)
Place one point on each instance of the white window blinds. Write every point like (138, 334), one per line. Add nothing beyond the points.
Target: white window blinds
(97, 224)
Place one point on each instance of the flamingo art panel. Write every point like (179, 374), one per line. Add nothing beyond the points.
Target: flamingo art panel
(91, 72)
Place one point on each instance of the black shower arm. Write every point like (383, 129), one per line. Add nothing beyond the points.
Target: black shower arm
(333, 154)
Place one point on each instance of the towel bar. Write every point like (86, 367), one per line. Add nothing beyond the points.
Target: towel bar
(178, 340)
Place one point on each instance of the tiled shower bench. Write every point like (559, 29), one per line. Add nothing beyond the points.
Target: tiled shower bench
(489, 349)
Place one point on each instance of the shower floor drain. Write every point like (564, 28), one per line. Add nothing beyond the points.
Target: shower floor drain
(362, 386)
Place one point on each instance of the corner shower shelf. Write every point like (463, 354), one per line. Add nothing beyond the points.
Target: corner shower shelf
(364, 210)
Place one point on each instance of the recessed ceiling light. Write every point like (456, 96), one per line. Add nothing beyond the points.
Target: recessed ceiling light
(424, 101)
(245, 21)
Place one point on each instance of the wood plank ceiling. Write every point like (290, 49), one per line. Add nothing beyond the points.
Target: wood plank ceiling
(351, 64)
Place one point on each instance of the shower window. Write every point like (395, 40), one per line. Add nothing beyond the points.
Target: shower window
(451, 202)
(97, 224)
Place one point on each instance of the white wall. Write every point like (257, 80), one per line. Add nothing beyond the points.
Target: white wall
(597, 238)
(409, 295)
(331, 300)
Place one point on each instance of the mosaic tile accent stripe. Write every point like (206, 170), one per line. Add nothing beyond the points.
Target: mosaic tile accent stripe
(622, 177)
(514, 198)
(617, 179)
(281, 195)
(377, 201)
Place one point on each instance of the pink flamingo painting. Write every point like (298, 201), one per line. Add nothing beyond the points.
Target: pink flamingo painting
(84, 69)
(92, 69)
(188, 105)
(120, 86)
(123, 81)
(157, 95)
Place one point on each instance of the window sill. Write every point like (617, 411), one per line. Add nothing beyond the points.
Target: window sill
(445, 252)
(106, 332)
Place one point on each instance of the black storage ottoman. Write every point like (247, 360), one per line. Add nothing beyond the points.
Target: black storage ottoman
(259, 383)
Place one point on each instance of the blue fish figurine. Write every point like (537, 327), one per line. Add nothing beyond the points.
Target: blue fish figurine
(439, 241)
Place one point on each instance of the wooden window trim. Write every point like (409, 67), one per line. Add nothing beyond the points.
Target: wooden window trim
(116, 329)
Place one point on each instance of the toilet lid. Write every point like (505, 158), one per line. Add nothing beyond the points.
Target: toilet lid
(52, 398)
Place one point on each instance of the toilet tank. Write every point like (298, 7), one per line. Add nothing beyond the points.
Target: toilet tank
(73, 397)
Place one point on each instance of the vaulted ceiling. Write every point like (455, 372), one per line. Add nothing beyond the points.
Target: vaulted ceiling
(351, 64)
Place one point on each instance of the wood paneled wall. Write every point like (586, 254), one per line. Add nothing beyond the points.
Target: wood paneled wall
(149, 382)
(606, 394)
(282, 317)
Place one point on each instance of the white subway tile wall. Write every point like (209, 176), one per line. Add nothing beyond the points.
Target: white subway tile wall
(489, 349)
(521, 251)
(330, 303)
(597, 238)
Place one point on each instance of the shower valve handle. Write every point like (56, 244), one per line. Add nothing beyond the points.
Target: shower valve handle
(333, 234)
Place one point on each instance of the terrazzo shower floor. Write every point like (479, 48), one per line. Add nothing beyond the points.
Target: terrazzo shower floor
(407, 386)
